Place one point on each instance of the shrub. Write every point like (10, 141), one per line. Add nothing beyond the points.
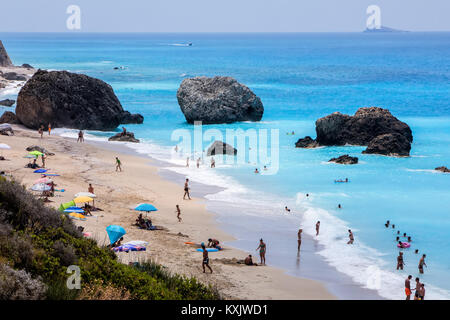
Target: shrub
(19, 285)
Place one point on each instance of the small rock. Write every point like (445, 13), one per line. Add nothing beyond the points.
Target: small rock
(345, 159)
(7, 102)
(306, 142)
(443, 169)
(219, 147)
(124, 137)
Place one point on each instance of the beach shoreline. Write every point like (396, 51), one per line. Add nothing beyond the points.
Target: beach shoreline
(80, 164)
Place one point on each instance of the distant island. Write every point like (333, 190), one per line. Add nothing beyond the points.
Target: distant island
(383, 29)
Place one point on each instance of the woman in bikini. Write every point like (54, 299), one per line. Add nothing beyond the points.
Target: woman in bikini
(262, 251)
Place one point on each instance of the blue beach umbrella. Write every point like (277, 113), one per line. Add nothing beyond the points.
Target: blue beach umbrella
(145, 207)
(40, 171)
(115, 232)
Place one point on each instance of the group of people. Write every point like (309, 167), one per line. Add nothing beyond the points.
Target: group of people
(420, 289)
(42, 129)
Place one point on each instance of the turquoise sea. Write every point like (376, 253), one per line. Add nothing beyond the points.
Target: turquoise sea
(299, 78)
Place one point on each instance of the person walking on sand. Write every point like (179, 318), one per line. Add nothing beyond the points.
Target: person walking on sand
(400, 262)
(43, 160)
(49, 128)
(178, 212)
(41, 131)
(118, 165)
(91, 188)
(422, 263)
(262, 251)
(408, 287)
(186, 190)
(80, 136)
(299, 240)
(205, 262)
(350, 235)
(317, 228)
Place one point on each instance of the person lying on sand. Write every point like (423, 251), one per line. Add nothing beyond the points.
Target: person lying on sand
(214, 243)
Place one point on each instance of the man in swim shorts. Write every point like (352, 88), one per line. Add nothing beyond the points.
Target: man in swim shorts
(249, 261)
(205, 261)
(422, 292)
(418, 285)
(186, 190)
(422, 263)
(408, 287)
(350, 235)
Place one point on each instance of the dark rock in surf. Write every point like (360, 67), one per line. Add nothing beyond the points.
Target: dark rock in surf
(306, 142)
(345, 159)
(9, 117)
(218, 100)
(219, 147)
(443, 169)
(390, 144)
(70, 100)
(7, 102)
(124, 137)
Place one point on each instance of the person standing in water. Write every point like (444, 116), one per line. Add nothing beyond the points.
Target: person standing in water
(80, 136)
(262, 251)
(408, 287)
(205, 261)
(317, 228)
(198, 163)
(400, 261)
(186, 190)
(418, 286)
(299, 240)
(187, 162)
(350, 235)
(178, 212)
(422, 292)
(118, 165)
(213, 163)
(422, 263)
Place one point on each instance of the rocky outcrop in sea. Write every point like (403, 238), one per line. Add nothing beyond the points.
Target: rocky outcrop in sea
(219, 147)
(443, 169)
(373, 127)
(70, 100)
(124, 137)
(7, 102)
(218, 100)
(345, 159)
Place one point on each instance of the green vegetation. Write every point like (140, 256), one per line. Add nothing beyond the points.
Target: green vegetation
(38, 243)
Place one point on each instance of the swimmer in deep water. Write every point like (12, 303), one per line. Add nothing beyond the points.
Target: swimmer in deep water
(287, 209)
(256, 170)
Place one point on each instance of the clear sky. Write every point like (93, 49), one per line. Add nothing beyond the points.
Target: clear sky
(223, 15)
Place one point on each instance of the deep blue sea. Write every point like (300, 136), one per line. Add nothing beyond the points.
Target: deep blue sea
(299, 78)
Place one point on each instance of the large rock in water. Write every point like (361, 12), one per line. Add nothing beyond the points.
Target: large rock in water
(5, 61)
(219, 147)
(218, 100)
(443, 169)
(360, 129)
(390, 144)
(306, 142)
(7, 102)
(69, 100)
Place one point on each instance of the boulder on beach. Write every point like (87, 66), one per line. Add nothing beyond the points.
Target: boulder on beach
(362, 129)
(26, 65)
(5, 61)
(124, 137)
(69, 100)
(443, 169)
(306, 142)
(40, 149)
(6, 129)
(219, 147)
(345, 159)
(7, 102)
(9, 117)
(14, 76)
(218, 100)
(390, 144)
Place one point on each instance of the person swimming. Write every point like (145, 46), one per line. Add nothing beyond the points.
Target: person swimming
(256, 170)
(287, 209)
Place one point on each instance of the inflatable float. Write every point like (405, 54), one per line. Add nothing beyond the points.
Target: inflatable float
(208, 249)
(404, 245)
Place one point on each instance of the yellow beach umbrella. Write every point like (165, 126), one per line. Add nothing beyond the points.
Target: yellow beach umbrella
(82, 199)
(77, 216)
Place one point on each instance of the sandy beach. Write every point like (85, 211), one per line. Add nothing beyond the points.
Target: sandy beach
(118, 192)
